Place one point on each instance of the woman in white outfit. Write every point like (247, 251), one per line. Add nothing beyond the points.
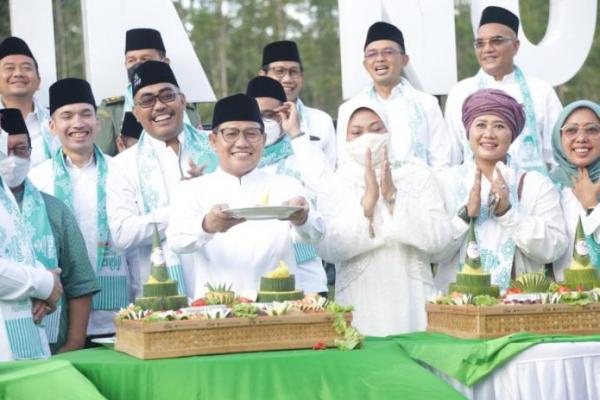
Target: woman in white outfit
(382, 223)
(519, 223)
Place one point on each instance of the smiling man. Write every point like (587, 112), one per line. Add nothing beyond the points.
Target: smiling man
(142, 184)
(76, 174)
(281, 61)
(19, 80)
(229, 249)
(141, 45)
(496, 46)
(415, 120)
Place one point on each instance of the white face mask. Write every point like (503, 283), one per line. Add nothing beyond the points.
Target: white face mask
(374, 141)
(272, 130)
(3, 145)
(14, 170)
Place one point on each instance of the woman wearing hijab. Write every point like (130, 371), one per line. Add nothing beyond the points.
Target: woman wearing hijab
(576, 146)
(517, 216)
(382, 222)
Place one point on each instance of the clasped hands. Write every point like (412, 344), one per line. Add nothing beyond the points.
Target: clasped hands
(374, 187)
(499, 189)
(40, 308)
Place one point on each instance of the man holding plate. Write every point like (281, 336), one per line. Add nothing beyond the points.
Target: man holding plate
(240, 221)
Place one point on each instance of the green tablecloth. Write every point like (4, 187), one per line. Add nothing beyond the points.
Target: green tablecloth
(381, 370)
(44, 380)
(469, 361)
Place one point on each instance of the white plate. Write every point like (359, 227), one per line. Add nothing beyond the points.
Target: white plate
(106, 342)
(263, 212)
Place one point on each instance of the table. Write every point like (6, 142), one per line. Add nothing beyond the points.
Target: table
(51, 379)
(522, 366)
(381, 370)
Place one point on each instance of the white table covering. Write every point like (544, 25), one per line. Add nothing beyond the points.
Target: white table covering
(549, 371)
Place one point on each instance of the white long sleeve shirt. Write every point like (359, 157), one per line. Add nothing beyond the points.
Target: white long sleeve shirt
(249, 250)
(319, 125)
(536, 226)
(546, 104)
(130, 226)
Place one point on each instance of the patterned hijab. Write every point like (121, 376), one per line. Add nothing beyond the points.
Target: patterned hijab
(565, 170)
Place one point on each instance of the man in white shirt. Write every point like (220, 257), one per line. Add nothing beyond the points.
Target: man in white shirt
(27, 290)
(496, 45)
(416, 124)
(281, 61)
(19, 80)
(141, 185)
(229, 249)
(288, 151)
(77, 174)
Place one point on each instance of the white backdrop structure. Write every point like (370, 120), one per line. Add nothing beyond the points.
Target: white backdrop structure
(428, 27)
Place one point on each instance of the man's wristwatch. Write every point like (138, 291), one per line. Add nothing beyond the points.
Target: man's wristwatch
(463, 213)
(589, 210)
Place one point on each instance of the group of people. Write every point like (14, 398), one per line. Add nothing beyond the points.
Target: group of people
(388, 196)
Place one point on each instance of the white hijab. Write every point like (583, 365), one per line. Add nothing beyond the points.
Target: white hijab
(348, 167)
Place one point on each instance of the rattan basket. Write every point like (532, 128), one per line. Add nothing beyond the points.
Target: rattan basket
(148, 340)
(472, 322)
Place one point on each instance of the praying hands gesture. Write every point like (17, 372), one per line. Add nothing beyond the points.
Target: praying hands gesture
(298, 217)
(290, 122)
(500, 190)
(385, 186)
(218, 220)
(585, 190)
(474, 203)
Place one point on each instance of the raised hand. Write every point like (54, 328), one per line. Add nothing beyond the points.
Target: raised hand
(369, 199)
(195, 170)
(386, 185)
(586, 191)
(218, 220)
(500, 189)
(290, 122)
(474, 203)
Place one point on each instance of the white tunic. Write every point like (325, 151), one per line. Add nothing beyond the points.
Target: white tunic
(545, 103)
(309, 165)
(386, 278)
(319, 125)
(18, 282)
(85, 184)
(415, 120)
(130, 227)
(590, 223)
(536, 225)
(249, 250)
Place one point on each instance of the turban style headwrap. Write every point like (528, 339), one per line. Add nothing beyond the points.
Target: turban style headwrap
(565, 170)
(494, 102)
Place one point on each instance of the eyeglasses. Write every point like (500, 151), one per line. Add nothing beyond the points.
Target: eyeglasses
(388, 52)
(271, 115)
(590, 130)
(231, 135)
(20, 150)
(165, 96)
(280, 72)
(494, 41)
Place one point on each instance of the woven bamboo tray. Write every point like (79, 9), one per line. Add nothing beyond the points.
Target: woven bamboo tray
(471, 322)
(149, 340)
